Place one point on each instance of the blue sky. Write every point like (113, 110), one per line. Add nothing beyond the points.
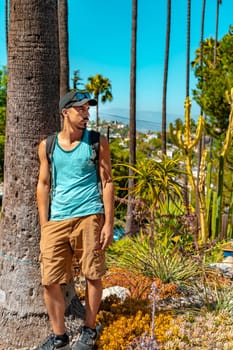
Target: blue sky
(100, 39)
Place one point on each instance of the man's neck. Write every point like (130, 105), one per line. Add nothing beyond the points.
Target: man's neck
(71, 135)
(69, 140)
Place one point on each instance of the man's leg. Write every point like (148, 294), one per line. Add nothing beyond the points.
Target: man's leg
(93, 299)
(55, 304)
(88, 335)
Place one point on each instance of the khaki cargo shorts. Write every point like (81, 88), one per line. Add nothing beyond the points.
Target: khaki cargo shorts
(62, 241)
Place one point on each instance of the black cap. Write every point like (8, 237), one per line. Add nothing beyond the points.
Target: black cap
(76, 98)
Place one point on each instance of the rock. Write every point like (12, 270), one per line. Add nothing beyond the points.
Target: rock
(121, 292)
(226, 267)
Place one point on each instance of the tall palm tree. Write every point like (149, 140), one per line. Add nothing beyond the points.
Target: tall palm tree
(63, 46)
(187, 84)
(130, 222)
(188, 47)
(100, 87)
(201, 144)
(202, 30)
(32, 113)
(216, 31)
(165, 77)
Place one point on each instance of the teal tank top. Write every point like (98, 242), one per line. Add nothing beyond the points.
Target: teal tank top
(75, 189)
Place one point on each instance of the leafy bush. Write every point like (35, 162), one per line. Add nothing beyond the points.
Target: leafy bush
(163, 261)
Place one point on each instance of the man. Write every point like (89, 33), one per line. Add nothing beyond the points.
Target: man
(81, 218)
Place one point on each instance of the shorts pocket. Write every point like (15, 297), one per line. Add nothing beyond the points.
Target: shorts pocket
(96, 265)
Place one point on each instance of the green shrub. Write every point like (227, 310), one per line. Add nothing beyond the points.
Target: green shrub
(163, 261)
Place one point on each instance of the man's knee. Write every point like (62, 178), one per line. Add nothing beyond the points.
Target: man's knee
(97, 283)
(52, 289)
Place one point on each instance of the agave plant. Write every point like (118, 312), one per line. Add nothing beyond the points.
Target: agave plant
(163, 261)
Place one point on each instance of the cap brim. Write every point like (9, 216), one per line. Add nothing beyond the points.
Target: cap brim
(91, 102)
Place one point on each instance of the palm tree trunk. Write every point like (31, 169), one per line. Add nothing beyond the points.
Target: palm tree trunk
(32, 113)
(201, 143)
(188, 47)
(97, 112)
(186, 191)
(63, 46)
(165, 75)
(130, 221)
(216, 31)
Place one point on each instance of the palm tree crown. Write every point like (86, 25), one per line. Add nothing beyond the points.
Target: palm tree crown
(99, 86)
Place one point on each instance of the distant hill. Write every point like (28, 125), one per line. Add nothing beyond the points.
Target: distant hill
(146, 120)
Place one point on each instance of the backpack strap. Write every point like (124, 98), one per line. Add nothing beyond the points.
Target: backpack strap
(95, 144)
(50, 143)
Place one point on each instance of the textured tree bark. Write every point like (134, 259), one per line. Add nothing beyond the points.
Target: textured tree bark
(32, 113)
(131, 226)
(63, 46)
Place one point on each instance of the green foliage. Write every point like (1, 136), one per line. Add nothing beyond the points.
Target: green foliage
(3, 86)
(219, 197)
(176, 228)
(164, 261)
(2, 144)
(147, 147)
(116, 249)
(119, 154)
(213, 81)
(223, 300)
(179, 125)
(184, 138)
(155, 181)
(157, 184)
(100, 87)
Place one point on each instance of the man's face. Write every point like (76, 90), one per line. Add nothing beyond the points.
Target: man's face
(78, 116)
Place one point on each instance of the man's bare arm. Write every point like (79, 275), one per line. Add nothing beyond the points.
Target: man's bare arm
(107, 191)
(43, 186)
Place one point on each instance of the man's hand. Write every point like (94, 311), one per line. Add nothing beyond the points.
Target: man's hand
(106, 236)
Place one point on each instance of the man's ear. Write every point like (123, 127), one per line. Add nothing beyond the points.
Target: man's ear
(64, 112)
